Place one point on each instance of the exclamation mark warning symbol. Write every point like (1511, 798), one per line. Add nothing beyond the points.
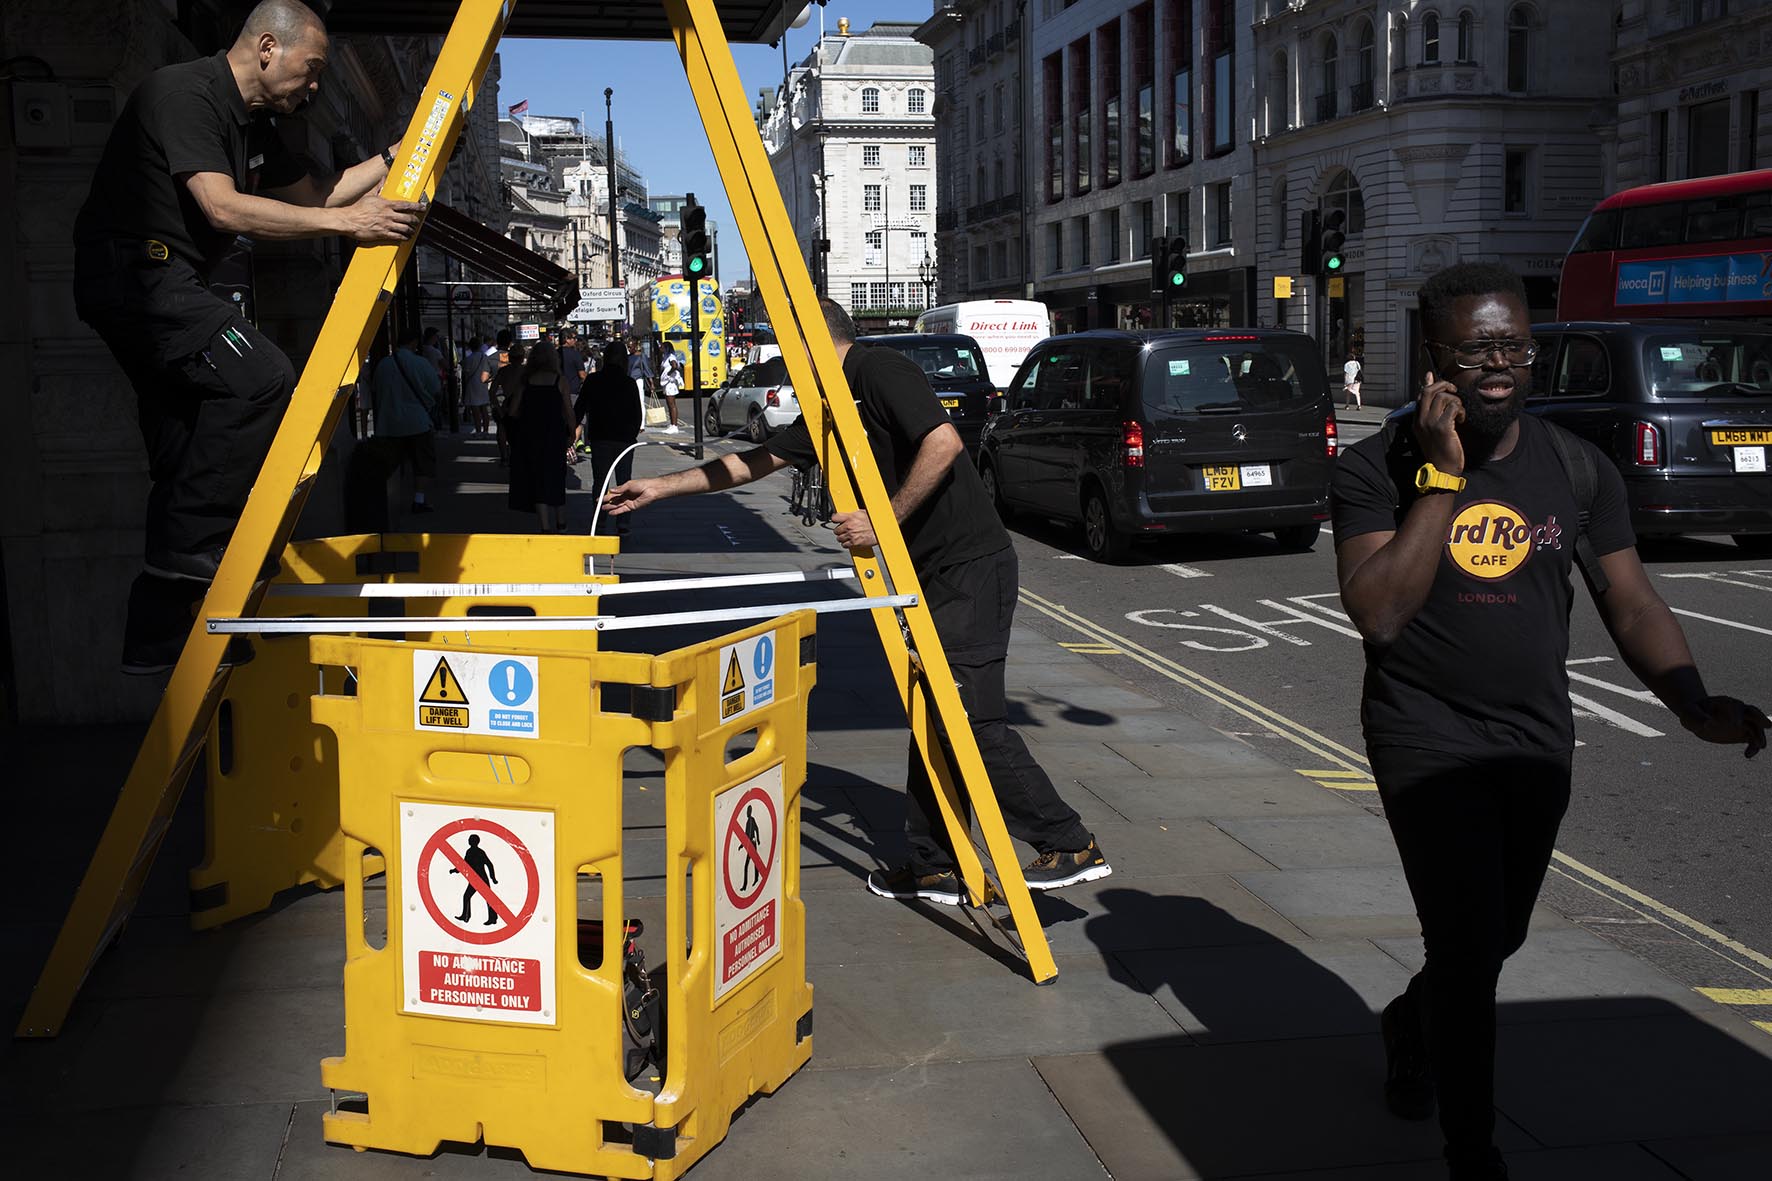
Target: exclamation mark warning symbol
(443, 688)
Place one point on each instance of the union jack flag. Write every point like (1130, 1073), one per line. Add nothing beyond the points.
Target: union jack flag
(519, 108)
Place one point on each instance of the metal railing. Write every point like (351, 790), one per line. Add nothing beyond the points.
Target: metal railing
(1326, 108)
(1361, 96)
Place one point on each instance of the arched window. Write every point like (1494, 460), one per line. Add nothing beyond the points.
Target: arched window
(1466, 47)
(1328, 78)
(982, 194)
(1519, 37)
(870, 100)
(1430, 39)
(1365, 66)
(1279, 116)
(1400, 43)
(1343, 193)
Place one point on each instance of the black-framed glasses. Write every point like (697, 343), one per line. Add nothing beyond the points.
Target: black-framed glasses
(1474, 354)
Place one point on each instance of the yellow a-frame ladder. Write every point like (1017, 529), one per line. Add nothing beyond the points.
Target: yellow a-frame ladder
(174, 741)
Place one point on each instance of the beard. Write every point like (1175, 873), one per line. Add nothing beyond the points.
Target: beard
(1486, 422)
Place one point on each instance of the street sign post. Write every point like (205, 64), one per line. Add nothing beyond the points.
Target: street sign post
(610, 304)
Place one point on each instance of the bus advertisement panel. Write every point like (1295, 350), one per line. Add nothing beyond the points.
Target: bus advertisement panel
(1693, 248)
(669, 298)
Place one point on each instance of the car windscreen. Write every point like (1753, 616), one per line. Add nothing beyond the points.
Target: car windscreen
(1233, 377)
(941, 360)
(1708, 364)
(774, 371)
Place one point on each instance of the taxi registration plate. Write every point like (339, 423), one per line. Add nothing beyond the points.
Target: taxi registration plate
(1741, 438)
(1222, 479)
(950, 403)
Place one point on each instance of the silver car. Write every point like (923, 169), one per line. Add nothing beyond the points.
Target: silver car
(758, 400)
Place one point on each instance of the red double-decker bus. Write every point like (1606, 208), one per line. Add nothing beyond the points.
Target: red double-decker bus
(1693, 248)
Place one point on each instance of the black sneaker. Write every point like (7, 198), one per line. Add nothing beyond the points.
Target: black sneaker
(1408, 1087)
(943, 887)
(1057, 869)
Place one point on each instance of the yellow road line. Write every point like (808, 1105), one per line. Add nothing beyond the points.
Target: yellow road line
(1345, 759)
(1763, 1026)
(1092, 649)
(1738, 996)
(1335, 774)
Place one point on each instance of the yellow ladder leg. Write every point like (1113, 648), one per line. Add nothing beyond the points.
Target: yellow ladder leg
(138, 822)
(849, 466)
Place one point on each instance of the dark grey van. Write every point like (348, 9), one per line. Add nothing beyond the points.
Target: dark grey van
(955, 367)
(1141, 434)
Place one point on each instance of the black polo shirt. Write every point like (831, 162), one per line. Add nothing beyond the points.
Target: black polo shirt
(957, 522)
(183, 119)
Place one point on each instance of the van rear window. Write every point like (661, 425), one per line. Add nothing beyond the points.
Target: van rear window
(939, 360)
(1274, 374)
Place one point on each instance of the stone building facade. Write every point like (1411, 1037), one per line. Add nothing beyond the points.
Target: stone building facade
(73, 476)
(1443, 131)
(851, 140)
(1692, 81)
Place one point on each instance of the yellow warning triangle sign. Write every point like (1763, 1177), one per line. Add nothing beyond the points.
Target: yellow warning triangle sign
(443, 688)
(734, 677)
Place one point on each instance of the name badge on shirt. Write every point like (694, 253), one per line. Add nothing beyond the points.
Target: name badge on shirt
(257, 161)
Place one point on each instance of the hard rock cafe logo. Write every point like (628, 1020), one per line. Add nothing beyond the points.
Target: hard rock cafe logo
(1492, 541)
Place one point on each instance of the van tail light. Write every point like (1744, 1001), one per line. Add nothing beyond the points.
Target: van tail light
(1132, 440)
(1331, 436)
(1646, 450)
(773, 397)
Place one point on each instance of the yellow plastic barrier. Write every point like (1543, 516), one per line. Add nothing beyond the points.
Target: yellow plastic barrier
(272, 800)
(476, 1021)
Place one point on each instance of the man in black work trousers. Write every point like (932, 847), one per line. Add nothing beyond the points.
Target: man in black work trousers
(1455, 535)
(967, 567)
(194, 162)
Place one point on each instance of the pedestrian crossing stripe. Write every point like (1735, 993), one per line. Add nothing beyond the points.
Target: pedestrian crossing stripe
(1340, 780)
(443, 688)
(734, 676)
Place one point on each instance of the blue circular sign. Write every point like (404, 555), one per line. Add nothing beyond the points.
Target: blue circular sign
(510, 683)
(763, 659)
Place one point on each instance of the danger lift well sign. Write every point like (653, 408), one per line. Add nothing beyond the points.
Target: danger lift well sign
(748, 820)
(478, 924)
(747, 675)
(469, 692)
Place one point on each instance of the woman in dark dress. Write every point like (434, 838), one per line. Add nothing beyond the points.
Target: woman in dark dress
(541, 413)
(609, 407)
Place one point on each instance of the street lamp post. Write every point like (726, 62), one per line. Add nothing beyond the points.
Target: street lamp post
(926, 272)
(609, 156)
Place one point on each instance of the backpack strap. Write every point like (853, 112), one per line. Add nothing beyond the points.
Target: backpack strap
(1578, 465)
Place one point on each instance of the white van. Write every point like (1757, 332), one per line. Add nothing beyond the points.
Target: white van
(1005, 330)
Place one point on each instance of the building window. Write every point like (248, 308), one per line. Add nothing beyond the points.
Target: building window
(999, 109)
(1055, 247)
(1222, 36)
(1280, 218)
(1080, 235)
(1519, 38)
(1221, 214)
(1110, 227)
(878, 295)
(1002, 187)
(1178, 213)
(983, 193)
(875, 241)
(918, 156)
(919, 198)
(1466, 46)
(1142, 229)
(1144, 93)
(1107, 55)
(1082, 142)
(1181, 82)
(916, 101)
(1707, 138)
(1000, 260)
(1364, 91)
(1750, 130)
(1698, 11)
(1328, 78)
(858, 296)
(978, 118)
(1279, 113)
(870, 155)
(1430, 39)
(870, 100)
(1660, 148)
(1052, 70)
(981, 264)
(1344, 194)
(870, 198)
(1516, 164)
(1400, 43)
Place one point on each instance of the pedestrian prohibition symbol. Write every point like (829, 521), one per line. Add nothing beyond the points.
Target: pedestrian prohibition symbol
(477, 918)
(747, 902)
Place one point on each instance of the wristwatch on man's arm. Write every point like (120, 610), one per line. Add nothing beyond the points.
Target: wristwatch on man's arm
(1429, 478)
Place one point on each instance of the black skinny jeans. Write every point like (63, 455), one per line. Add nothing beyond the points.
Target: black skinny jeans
(1475, 835)
(974, 605)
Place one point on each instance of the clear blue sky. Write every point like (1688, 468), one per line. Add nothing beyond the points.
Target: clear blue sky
(655, 119)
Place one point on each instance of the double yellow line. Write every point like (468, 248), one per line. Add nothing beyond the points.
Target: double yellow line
(1348, 770)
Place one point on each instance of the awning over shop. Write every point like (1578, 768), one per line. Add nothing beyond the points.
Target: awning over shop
(639, 20)
(463, 238)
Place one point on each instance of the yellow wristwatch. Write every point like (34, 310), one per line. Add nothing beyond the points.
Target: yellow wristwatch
(1429, 478)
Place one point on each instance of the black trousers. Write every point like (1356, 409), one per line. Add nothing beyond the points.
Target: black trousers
(603, 453)
(974, 605)
(207, 416)
(1476, 836)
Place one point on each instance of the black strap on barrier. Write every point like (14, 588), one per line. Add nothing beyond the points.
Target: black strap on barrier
(803, 1029)
(655, 1143)
(809, 649)
(651, 703)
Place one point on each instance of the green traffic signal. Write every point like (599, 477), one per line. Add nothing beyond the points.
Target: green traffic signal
(697, 264)
(1176, 279)
(1332, 263)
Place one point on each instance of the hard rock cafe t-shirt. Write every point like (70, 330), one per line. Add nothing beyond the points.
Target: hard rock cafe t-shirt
(1480, 669)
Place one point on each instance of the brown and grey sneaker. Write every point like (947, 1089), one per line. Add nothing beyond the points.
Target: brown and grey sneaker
(905, 885)
(1057, 869)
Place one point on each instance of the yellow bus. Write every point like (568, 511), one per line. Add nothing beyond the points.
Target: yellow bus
(669, 298)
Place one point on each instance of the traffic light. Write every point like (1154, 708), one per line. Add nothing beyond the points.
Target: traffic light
(1333, 239)
(694, 238)
(1159, 263)
(1175, 264)
(1310, 239)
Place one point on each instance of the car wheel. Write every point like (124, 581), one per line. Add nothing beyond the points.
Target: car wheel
(993, 488)
(1298, 536)
(1757, 544)
(1100, 538)
(755, 428)
(710, 420)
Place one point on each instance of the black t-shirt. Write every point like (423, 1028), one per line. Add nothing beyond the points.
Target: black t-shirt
(1480, 669)
(182, 119)
(609, 406)
(956, 523)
